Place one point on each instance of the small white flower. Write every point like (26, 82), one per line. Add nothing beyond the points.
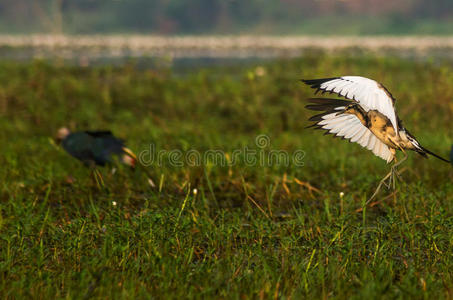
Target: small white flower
(341, 194)
(114, 203)
(195, 191)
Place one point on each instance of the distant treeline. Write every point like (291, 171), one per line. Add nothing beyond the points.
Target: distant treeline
(227, 16)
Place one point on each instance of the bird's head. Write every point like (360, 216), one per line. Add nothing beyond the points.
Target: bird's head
(62, 133)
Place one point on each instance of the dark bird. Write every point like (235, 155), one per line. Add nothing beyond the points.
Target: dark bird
(366, 117)
(95, 147)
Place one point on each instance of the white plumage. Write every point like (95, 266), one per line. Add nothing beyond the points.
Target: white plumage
(369, 93)
(350, 127)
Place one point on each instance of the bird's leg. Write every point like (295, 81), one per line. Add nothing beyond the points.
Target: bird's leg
(395, 174)
(391, 177)
(379, 187)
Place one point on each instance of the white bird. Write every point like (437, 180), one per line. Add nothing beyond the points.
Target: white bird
(368, 118)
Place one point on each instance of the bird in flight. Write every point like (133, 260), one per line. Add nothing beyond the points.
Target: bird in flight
(366, 117)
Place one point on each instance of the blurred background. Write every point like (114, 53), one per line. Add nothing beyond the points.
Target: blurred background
(326, 17)
(90, 31)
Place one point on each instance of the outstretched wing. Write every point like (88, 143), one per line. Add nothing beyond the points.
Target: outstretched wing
(370, 94)
(347, 126)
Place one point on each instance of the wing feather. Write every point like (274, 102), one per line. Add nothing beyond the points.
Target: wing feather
(375, 148)
(353, 131)
(370, 94)
(364, 140)
(359, 135)
(371, 142)
(349, 127)
(337, 123)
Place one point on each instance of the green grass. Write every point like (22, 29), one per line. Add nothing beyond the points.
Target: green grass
(249, 231)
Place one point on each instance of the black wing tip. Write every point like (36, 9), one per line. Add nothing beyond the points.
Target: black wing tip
(318, 117)
(317, 82)
(319, 107)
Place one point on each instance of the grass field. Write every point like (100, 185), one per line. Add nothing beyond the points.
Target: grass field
(243, 230)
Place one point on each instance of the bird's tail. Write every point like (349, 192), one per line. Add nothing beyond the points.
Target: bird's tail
(426, 151)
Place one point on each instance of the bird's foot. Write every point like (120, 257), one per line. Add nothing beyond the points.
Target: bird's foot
(389, 181)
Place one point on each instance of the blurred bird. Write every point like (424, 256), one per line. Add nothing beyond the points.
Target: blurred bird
(95, 147)
(367, 117)
(99, 148)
